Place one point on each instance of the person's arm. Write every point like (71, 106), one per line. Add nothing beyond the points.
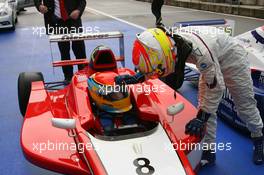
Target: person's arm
(81, 6)
(40, 7)
(130, 79)
(77, 13)
(37, 3)
(207, 67)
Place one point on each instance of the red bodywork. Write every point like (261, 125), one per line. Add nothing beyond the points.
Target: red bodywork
(73, 102)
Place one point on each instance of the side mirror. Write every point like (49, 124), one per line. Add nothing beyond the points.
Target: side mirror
(63, 123)
(175, 109)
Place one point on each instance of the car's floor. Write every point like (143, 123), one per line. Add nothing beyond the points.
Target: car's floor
(22, 51)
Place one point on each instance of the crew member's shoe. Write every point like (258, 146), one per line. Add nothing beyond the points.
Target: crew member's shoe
(208, 158)
(258, 153)
(159, 24)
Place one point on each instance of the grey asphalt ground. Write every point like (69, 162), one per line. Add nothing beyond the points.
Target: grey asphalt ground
(140, 13)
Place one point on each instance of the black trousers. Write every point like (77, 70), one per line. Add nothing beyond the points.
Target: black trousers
(78, 47)
(156, 8)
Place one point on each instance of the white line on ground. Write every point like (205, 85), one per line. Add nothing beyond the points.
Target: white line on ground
(144, 28)
(25, 28)
(238, 16)
(146, 13)
(118, 19)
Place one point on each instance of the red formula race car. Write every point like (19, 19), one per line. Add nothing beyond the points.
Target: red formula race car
(63, 130)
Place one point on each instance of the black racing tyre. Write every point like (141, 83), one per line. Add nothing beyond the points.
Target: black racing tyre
(24, 88)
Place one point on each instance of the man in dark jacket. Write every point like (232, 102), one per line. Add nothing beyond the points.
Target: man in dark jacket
(64, 17)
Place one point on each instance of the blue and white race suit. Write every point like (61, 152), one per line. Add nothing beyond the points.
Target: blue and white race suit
(219, 57)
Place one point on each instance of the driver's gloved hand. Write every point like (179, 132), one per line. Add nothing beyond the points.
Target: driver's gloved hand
(129, 79)
(197, 126)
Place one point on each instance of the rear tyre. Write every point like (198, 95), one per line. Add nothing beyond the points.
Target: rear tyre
(24, 88)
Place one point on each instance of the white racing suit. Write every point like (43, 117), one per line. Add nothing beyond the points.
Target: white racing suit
(216, 55)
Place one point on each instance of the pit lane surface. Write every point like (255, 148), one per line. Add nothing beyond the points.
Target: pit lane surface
(139, 13)
(24, 51)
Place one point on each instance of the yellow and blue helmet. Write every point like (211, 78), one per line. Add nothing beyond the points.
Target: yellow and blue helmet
(108, 96)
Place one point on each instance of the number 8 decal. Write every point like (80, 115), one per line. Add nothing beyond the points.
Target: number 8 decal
(140, 168)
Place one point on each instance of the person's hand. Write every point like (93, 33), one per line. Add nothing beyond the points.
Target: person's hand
(43, 9)
(197, 126)
(75, 14)
(127, 79)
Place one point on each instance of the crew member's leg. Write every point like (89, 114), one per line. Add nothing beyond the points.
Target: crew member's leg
(209, 100)
(156, 10)
(239, 82)
(64, 48)
(78, 47)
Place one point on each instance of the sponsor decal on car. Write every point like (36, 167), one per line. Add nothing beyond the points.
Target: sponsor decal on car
(82, 37)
